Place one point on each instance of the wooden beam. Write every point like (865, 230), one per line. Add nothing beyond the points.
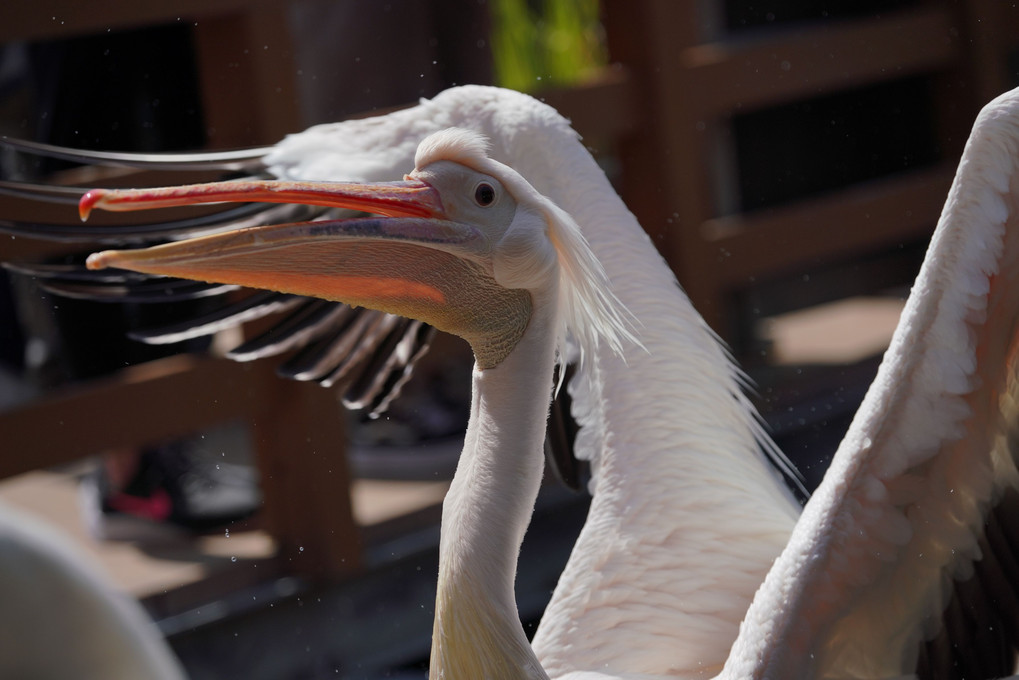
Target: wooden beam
(140, 405)
(247, 73)
(745, 74)
(603, 108)
(877, 214)
(67, 18)
(297, 429)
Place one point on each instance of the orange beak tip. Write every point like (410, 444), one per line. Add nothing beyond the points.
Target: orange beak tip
(97, 260)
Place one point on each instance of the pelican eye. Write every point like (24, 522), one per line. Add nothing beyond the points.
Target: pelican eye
(484, 194)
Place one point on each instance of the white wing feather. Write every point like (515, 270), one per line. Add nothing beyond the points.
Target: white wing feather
(901, 512)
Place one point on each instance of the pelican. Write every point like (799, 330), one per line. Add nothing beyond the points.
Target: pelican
(654, 460)
(472, 249)
(907, 536)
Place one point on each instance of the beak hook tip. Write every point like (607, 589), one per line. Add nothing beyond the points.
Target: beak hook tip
(88, 201)
(96, 260)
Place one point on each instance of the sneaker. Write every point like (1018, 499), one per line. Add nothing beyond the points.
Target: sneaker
(174, 488)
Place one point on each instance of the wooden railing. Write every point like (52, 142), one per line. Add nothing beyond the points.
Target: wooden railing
(691, 78)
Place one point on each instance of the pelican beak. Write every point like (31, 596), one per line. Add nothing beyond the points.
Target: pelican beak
(414, 261)
(409, 198)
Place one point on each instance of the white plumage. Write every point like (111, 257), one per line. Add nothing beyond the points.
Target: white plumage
(61, 618)
(867, 573)
(686, 517)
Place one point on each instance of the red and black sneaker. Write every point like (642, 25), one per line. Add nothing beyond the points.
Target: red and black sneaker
(173, 486)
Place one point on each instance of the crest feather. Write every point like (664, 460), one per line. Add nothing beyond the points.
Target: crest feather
(454, 144)
(591, 312)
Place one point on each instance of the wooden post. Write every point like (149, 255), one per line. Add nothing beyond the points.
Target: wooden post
(300, 448)
(247, 73)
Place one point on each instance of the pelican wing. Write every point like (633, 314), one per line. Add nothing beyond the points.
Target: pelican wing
(238, 159)
(905, 558)
(370, 353)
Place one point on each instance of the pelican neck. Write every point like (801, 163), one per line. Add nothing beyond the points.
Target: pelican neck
(477, 631)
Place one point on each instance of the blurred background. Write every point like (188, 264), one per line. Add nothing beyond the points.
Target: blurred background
(789, 158)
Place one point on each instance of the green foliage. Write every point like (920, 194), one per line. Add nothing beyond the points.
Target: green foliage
(536, 43)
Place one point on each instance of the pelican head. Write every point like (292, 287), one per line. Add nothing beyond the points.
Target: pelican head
(463, 243)
(466, 244)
